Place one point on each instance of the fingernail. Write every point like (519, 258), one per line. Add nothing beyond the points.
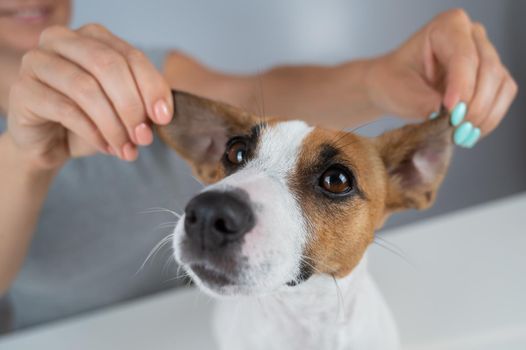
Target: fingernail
(143, 134)
(162, 112)
(129, 152)
(462, 133)
(458, 113)
(433, 115)
(472, 138)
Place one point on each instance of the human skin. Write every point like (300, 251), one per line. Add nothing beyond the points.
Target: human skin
(73, 93)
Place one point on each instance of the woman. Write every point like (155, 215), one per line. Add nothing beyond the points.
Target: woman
(80, 105)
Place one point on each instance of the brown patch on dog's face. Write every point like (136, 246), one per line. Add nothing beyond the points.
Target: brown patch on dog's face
(341, 224)
(399, 170)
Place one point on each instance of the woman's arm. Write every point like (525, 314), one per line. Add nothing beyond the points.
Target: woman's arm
(331, 95)
(23, 190)
(449, 61)
(77, 93)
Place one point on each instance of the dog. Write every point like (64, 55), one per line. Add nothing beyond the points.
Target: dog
(280, 232)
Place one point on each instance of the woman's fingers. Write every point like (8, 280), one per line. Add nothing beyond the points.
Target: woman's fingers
(89, 88)
(85, 91)
(452, 44)
(154, 89)
(474, 75)
(505, 96)
(45, 104)
(108, 68)
(490, 78)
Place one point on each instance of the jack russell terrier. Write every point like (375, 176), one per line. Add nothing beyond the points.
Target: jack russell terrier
(281, 232)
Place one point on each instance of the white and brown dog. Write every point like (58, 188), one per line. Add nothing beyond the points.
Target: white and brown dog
(291, 209)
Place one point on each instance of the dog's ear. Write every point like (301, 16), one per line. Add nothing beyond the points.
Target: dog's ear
(416, 158)
(200, 130)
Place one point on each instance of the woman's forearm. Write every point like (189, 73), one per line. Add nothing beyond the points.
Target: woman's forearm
(335, 96)
(22, 192)
(329, 95)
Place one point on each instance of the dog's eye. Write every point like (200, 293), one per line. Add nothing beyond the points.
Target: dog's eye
(336, 180)
(237, 152)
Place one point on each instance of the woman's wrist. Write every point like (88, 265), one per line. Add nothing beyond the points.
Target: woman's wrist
(24, 187)
(360, 82)
(27, 170)
(372, 84)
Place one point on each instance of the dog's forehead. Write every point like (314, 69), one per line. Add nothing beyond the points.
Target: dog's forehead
(279, 145)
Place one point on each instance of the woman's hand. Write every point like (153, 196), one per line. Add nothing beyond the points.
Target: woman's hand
(451, 62)
(85, 91)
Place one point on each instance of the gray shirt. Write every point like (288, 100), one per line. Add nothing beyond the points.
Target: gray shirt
(93, 235)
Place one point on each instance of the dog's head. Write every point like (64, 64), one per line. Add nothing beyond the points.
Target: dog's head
(287, 200)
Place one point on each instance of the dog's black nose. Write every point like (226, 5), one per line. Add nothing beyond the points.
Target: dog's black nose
(214, 219)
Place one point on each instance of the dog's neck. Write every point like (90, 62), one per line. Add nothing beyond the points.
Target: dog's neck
(322, 299)
(320, 313)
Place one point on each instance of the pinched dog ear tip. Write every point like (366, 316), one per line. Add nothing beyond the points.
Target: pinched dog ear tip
(200, 128)
(416, 158)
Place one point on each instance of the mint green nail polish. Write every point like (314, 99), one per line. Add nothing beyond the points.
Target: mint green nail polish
(462, 133)
(458, 113)
(472, 138)
(433, 115)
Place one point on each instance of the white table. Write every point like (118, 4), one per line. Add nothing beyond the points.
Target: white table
(461, 285)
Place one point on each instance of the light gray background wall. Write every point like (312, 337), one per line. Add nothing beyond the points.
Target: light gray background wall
(246, 36)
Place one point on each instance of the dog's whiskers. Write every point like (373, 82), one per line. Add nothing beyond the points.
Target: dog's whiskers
(257, 103)
(262, 99)
(346, 132)
(181, 273)
(169, 260)
(340, 146)
(161, 210)
(340, 317)
(306, 259)
(382, 242)
(179, 267)
(389, 243)
(155, 250)
(364, 125)
(188, 280)
(339, 295)
(182, 276)
(169, 224)
(340, 138)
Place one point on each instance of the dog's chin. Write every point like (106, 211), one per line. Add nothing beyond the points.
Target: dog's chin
(220, 285)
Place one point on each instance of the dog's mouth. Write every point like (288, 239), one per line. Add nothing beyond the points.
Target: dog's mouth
(211, 276)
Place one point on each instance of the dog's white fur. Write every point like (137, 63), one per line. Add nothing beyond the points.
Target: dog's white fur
(320, 313)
